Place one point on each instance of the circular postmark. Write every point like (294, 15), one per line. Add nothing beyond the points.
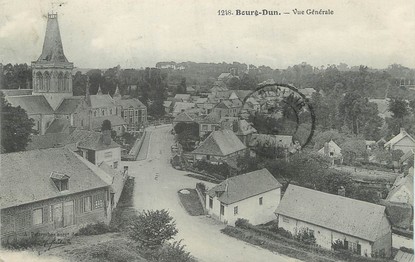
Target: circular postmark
(287, 111)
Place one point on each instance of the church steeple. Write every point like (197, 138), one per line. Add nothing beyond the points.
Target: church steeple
(52, 73)
(52, 46)
(99, 90)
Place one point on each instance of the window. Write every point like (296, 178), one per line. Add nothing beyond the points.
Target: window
(210, 202)
(98, 201)
(354, 247)
(260, 201)
(103, 112)
(136, 112)
(331, 153)
(64, 184)
(235, 210)
(38, 216)
(222, 209)
(110, 111)
(115, 164)
(87, 204)
(285, 220)
(108, 154)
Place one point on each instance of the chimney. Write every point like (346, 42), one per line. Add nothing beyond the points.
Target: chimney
(402, 131)
(106, 137)
(341, 191)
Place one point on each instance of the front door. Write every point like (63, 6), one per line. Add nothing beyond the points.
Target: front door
(57, 215)
(68, 218)
(222, 210)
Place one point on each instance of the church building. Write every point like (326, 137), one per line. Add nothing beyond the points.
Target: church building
(54, 108)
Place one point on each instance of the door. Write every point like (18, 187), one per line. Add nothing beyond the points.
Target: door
(91, 156)
(57, 215)
(222, 210)
(68, 218)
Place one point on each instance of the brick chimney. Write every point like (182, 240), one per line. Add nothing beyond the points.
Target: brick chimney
(106, 137)
(402, 131)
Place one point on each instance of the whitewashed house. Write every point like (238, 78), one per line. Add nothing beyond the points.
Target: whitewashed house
(333, 151)
(363, 227)
(252, 196)
(402, 141)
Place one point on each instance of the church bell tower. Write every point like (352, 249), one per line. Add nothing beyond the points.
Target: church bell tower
(52, 72)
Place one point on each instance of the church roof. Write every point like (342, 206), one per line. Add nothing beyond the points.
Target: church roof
(130, 102)
(69, 105)
(33, 104)
(52, 46)
(58, 126)
(17, 92)
(100, 101)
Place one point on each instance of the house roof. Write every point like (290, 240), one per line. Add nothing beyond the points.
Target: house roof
(58, 125)
(345, 215)
(184, 117)
(17, 92)
(26, 175)
(179, 106)
(398, 138)
(407, 155)
(270, 140)
(89, 140)
(211, 118)
(33, 104)
(403, 182)
(182, 96)
(130, 102)
(220, 143)
(331, 145)
(244, 186)
(403, 257)
(114, 119)
(69, 105)
(46, 141)
(100, 101)
(52, 46)
(224, 75)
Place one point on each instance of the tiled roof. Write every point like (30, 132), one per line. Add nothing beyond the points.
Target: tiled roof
(220, 143)
(33, 104)
(244, 186)
(69, 105)
(211, 118)
(46, 141)
(131, 102)
(58, 126)
(345, 215)
(179, 106)
(100, 101)
(403, 257)
(400, 214)
(184, 117)
(403, 182)
(224, 75)
(398, 138)
(52, 46)
(89, 140)
(26, 175)
(114, 119)
(16, 92)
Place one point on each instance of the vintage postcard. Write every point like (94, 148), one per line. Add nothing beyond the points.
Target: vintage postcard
(170, 131)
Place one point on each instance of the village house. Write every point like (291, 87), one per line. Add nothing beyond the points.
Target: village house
(242, 129)
(402, 190)
(220, 146)
(228, 108)
(362, 227)
(50, 190)
(253, 196)
(333, 151)
(132, 110)
(209, 123)
(179, 107)
(402, 141)
(185, 117)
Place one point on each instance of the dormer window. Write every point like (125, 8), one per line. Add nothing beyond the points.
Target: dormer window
(61, 181)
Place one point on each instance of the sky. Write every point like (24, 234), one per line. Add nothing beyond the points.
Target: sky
(140, 33)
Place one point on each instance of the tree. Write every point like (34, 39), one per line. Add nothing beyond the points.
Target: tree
(151, 229)
(181, 88)
(106, 125)
(16, 127)
(399, 108)
(352, 149)
(187, 134)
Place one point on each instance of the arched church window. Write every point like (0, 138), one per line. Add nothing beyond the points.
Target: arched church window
(66, 81)
(60, 81)
(39, 81)
(47, 81)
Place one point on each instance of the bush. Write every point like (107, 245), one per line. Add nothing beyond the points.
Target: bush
(285, 233)
(174, 252)
(23, 243)
(305, 236)
(151, 229)
(94, 229)
(338, 245)
(243, 223)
